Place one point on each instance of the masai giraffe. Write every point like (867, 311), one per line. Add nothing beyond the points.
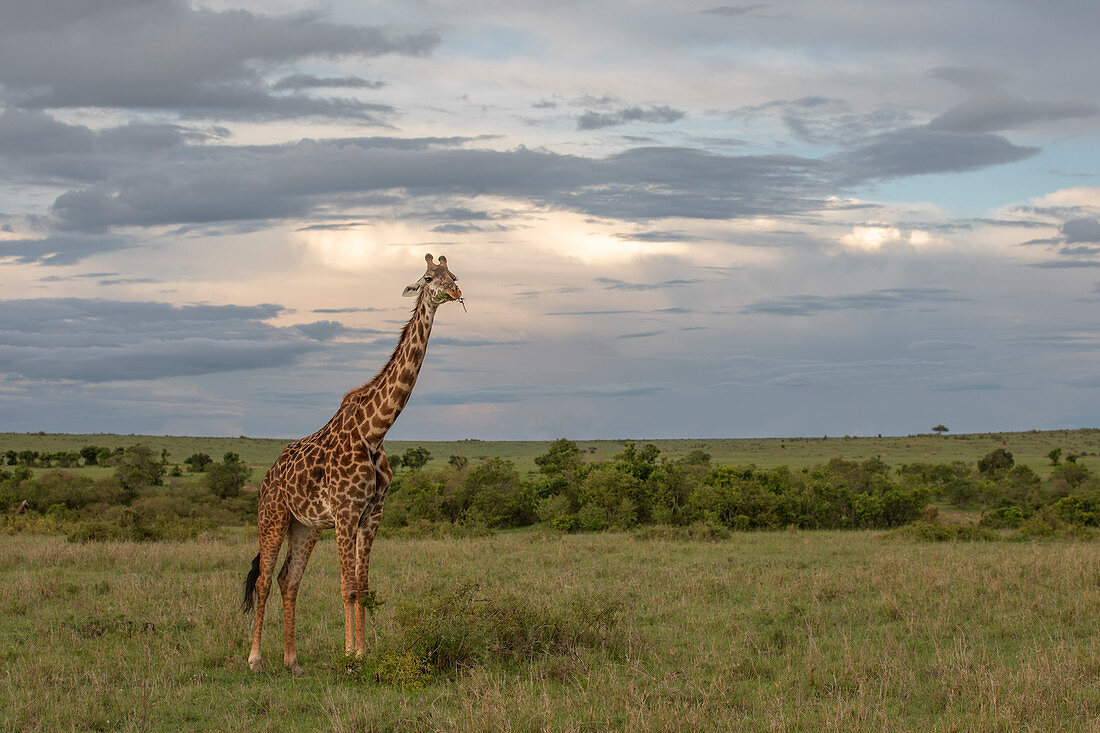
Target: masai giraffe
(338, 478)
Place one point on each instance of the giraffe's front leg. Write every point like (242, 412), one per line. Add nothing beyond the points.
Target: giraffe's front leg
(346, 541)
(365, 541)
(368, 528)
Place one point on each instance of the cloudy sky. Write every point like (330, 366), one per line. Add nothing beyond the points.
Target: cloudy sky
(669, 219)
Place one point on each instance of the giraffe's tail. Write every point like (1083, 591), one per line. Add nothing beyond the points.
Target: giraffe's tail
(250, 586)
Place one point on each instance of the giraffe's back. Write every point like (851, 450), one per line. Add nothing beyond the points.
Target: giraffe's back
(321, 474)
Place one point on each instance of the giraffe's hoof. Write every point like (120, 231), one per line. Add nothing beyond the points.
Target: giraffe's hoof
(296, 670)
(255, 665)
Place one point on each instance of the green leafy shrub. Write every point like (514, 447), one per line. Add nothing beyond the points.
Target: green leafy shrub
(226, 479)
(1005, 517)
(463, 627)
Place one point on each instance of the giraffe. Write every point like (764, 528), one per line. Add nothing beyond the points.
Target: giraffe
(337, 478)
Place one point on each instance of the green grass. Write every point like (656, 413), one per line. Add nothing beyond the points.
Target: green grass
(1029, 447)
(784, 631)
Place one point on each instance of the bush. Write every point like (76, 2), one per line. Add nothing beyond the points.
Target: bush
(137, 467)
(496, 494)
(996, 461)
(198, 462)
(1005, 517)
(226, 479)
(464, 627)
(415, 458)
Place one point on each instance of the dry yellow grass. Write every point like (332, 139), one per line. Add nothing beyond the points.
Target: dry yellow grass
(765, 631)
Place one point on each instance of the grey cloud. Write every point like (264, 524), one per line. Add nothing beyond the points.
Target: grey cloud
(148, 360)
(309, 81)
(612, 284)
(639, 335)
(451, 341)
(128, 281)
(968, 383)
(598, 120)
(595, 313)
(843, 127)
(1065, 264)
(657, 236)
(733, 11)
(1081, 230)
(971, 78)
(1079, 250)
(60, 249)
(826, 120)
(467, 228)
(922, 150)
(520, 393)
(321, 330)
(809, 305)
(346, 310)
(35, 145)
(128, 55)
(277, 182)
(25, 134)
(995, 112)
(96, 340)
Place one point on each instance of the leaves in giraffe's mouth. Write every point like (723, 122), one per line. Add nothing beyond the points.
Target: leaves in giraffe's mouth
(440, 298)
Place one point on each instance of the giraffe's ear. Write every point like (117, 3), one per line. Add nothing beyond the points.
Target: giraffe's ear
(411, 290)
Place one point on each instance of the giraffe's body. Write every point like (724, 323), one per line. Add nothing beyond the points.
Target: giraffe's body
(337, 478)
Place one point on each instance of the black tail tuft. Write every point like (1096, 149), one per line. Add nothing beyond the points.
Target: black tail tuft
(250, 586)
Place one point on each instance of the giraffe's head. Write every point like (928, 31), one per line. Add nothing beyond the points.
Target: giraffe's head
(437, 284)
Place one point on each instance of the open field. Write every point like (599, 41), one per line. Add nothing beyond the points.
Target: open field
(1029, 447)
(764, 631)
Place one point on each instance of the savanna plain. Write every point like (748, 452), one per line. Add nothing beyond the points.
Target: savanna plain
(969, 617)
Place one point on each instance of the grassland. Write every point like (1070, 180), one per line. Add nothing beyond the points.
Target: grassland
(764, 631)
(1029, 447)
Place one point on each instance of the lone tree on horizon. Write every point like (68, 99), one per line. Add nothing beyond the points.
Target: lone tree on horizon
(940, 429)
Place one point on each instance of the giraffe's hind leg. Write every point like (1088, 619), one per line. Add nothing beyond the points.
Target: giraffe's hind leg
(272, 525)
(300, 542)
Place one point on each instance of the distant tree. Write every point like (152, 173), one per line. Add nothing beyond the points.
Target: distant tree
(1072, 458)
(28, 458)
(66, 458)
(697, 457)
(137, 468)
(995, 462)
(639, 463)
(940, 429)
(197, 462)
(11, 458)
(416, 458)
(563, 457)
(90, 454)
(226, 479)
(1054, 456)
(459, 462)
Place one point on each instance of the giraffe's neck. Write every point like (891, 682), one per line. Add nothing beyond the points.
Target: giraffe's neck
(380, 401)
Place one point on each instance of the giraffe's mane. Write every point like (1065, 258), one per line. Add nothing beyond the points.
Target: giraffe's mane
(362, 389)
